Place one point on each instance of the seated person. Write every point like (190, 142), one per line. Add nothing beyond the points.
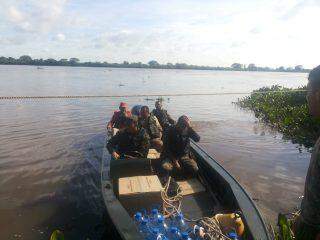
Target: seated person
(118, 118)
(136, 110)
(131, 142)
(176, 148)
(152, 126)
(162, 115)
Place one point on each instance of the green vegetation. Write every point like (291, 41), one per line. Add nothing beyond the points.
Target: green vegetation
(57, 235)
(284, 228)
(27, 60)
(286, 110)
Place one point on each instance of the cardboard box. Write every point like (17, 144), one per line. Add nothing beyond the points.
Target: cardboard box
(140, 192)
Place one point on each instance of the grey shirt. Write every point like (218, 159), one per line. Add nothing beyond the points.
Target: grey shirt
(310, 207)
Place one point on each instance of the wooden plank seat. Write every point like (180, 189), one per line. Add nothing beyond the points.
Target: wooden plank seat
(191, 186)
(196, 201)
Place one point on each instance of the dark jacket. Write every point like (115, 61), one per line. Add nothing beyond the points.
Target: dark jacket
(126, 143)
(118, 118)
(310, 207)
(150, 124)
(176, 144)
(163, 117)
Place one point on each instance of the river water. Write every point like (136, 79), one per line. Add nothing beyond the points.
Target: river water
(51, 148)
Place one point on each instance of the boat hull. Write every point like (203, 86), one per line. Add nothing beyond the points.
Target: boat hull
(218, 181)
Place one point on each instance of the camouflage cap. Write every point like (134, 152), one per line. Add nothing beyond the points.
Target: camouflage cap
(183, 119)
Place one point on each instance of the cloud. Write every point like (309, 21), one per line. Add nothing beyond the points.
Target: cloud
(60, 37)
(238, 44)
(15, 15)
(298, 8)
(49, 12)
(13, 40)
(295, 10)
(34, 16)
(255, 30)
(119, 39)
(198, 32)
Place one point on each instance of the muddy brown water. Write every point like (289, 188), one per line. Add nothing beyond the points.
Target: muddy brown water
(51, 149)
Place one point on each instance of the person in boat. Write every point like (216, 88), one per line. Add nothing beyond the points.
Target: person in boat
(151, 124)
(136, 110)
(176, 148)
(162, 115)
(307, 225)
(119, 116)
(131, 142)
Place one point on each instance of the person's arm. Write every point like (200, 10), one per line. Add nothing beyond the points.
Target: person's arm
(144, 145)
(193, 135)
(170, 119)
(109, 125)
(155, 132)
(112, 144)
(166, 143)
(158, 124)
(112, 121)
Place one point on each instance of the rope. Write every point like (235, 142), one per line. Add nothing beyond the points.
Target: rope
(213, 228)
(141, 95)
(171, 205)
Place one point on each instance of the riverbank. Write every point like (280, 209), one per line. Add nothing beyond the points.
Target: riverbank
(75, 62)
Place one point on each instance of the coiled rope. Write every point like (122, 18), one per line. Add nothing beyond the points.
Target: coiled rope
(172, 206)
(213, 228)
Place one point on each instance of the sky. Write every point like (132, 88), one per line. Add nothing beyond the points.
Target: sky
(203, 32)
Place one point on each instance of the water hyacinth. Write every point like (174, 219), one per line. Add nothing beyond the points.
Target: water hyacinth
(286, 110)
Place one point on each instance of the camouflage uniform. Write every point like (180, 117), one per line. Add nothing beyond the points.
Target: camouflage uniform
(125, 143)
(150, 124)
(164, 118)
(308, 225)
(176, 147)
(154, 130)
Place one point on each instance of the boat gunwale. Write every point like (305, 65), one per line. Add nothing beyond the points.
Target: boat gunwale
(128, 232)
(232, 184)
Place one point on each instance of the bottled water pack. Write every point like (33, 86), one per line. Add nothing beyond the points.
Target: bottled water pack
(154, 226)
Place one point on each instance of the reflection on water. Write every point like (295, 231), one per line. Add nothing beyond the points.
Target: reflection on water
(50, 149)
(101, 81)
(49, 172)
(271, 170)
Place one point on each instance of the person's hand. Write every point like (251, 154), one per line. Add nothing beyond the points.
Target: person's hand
(177, 164)
(188, 125)
(115, 155)
(109, 128)
(129, 157)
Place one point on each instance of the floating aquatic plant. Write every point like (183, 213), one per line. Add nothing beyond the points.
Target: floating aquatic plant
(286, 110)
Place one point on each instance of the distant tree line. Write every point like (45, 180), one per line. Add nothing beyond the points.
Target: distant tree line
(27, 60)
